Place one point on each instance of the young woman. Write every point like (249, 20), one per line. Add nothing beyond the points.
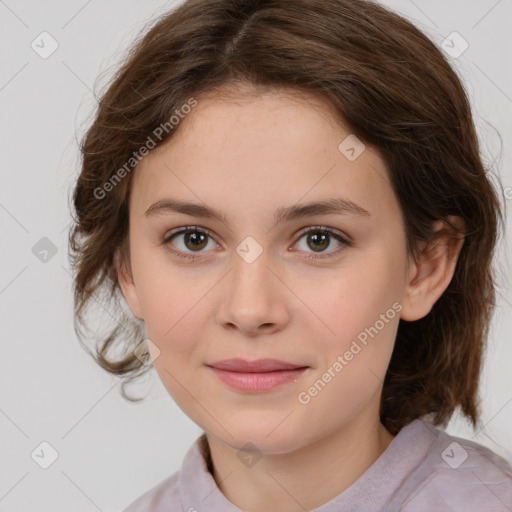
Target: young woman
(289, 197)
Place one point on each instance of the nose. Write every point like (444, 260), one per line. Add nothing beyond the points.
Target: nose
(253, 298)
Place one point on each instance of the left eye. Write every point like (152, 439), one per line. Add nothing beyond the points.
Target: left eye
(319, 238)
(195, 239)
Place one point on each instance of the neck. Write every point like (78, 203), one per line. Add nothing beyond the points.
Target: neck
(302, 479)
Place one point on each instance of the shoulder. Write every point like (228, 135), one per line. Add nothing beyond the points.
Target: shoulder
(181, 487)
(458, 475)
(165, 493)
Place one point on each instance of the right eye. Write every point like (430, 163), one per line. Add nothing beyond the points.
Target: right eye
(193, 238)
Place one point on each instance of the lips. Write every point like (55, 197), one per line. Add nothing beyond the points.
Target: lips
(256, 376)
(258, 366)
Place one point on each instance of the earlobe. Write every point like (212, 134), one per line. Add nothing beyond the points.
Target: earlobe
(431, 274)
(127, 285)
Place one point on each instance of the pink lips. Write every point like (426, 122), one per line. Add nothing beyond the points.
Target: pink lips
(255, 376)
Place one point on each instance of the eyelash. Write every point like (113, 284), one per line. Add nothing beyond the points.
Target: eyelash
(313, 229)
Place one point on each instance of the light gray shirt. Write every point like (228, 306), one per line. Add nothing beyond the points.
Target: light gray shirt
(423, 469)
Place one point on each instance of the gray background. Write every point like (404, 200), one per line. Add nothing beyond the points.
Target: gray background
(111, 451)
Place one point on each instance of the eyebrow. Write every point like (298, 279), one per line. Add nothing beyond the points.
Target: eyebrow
(336, 205)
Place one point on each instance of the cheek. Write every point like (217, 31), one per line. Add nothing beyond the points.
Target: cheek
(168, 307)
(169, 296)
(363, 311)
(173, 320)
(353, 300)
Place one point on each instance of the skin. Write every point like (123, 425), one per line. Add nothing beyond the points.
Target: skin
(248, 155)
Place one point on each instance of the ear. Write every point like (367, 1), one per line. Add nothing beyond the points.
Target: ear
(125, 278)
(429, 277)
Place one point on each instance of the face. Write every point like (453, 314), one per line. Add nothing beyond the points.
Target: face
(320, 292)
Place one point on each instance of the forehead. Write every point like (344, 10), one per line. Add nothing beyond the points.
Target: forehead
(241, 120)
(260, 152)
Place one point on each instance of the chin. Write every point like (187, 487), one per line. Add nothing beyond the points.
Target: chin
(262, 434)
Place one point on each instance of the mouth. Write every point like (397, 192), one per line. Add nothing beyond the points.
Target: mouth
(256, 376)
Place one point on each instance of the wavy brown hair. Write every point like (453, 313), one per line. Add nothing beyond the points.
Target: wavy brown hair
(388, 83)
